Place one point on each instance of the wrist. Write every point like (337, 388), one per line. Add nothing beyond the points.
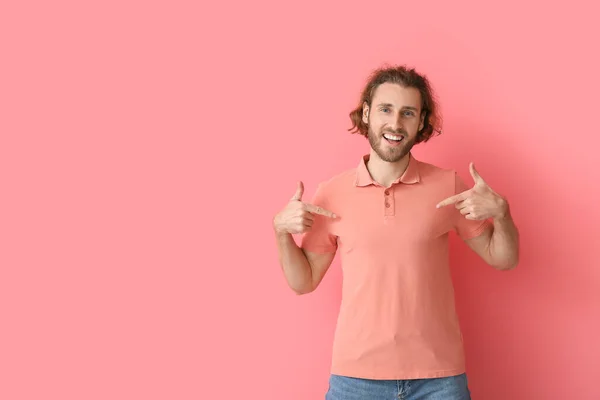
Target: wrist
(279, 231)
(504, 214)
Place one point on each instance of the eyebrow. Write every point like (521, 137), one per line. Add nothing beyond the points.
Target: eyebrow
(392, 106)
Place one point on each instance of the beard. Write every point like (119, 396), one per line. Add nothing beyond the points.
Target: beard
(390, 153)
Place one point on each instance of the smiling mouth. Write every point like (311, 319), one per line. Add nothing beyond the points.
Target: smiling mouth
(393, 138)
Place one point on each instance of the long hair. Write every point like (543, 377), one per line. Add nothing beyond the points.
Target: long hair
(406, 77)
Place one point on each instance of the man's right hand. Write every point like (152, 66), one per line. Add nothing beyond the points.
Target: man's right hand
(297, 216)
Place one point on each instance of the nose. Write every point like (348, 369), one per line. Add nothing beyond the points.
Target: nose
(396, 123)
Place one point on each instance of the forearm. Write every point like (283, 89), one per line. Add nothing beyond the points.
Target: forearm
(295, 265)
(504, 243)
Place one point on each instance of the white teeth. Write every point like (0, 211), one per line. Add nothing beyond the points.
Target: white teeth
(392, 137)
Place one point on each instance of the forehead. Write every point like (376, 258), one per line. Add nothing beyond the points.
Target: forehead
(397, 95)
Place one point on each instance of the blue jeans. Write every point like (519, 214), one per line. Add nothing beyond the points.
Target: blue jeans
(447, 388)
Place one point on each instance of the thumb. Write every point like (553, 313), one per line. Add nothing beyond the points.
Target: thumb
(299, 192)
(476, 177)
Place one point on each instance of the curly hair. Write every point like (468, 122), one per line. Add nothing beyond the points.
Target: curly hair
(406, 77)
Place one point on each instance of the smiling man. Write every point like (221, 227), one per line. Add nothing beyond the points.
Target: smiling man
(397, 334)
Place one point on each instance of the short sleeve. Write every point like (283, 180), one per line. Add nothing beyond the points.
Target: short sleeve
(466, 228)
(319, 238)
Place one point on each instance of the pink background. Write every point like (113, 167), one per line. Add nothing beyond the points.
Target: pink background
(136, 252)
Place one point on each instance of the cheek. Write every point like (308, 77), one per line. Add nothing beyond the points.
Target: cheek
(377, 130)
(375, 124)
(413, 126)
(412, 122)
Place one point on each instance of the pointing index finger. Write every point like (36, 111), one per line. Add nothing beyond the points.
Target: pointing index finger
(320, 210)
(453, 199)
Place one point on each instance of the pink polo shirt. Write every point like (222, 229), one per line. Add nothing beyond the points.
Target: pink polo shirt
(397, 317)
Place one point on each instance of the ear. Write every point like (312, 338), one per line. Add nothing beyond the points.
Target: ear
(422, 123)
(365, 116)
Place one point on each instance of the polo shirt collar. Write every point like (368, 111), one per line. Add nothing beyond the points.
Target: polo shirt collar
(410, 175)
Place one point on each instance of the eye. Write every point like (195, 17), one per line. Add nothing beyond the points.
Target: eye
(385, 109)
(409, 113)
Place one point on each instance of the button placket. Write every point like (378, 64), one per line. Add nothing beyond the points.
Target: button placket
(389, 203)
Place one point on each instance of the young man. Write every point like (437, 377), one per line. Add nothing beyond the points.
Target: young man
(397, 333)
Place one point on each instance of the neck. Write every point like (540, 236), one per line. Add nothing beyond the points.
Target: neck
(384, 172)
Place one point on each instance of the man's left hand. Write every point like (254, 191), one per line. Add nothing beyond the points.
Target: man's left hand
(480, 202)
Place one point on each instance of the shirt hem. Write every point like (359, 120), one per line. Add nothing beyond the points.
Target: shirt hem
(401, 375)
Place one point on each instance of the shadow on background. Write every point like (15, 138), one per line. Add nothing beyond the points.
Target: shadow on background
(540, 315)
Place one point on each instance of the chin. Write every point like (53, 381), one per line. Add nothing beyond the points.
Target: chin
(392, 157)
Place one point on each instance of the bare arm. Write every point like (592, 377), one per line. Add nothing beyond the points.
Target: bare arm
(303, 269)
(498, 246)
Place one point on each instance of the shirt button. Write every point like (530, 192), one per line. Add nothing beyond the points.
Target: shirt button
(387, 205)
(387, 192)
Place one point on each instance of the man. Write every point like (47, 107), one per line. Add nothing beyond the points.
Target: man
(397, 333)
